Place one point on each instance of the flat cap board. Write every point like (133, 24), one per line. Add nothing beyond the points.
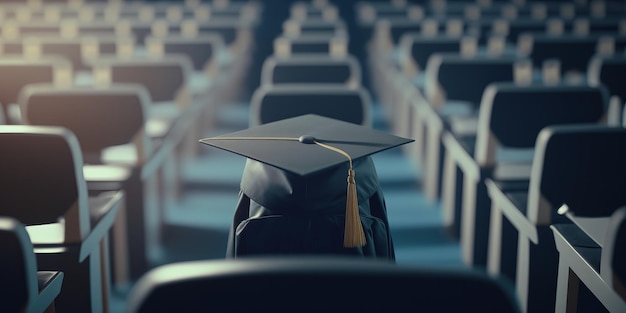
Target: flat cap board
(281, 144)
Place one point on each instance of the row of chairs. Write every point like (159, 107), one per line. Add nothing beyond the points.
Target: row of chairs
(368, 12)
(112, 140)
(490, 128)
(89, 11)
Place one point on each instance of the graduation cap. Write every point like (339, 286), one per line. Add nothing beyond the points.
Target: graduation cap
(309, 144)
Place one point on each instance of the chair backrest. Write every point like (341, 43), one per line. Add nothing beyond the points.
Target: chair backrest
(69, 48)
(311, 44)
(41, 190)
(609, 71)
(301, 11)
(230, 29)
(316, 26)
(99, 117)
(511, 29)
(416, 48)
(19, 266)
(311, 69)
(27, 71)
(581, 166)
(512, 115)
(202, 50)
(613, 259)
(11, 46)
(541, 47)
(452, 76)
(315, 284)
(277, 102)
(163, 77)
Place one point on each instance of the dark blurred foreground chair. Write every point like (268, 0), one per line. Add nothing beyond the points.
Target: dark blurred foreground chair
(24, 288)
(316, 284)
(598, 262)
(42, 185)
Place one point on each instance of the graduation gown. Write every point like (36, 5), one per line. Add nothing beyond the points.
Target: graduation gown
(279, 213)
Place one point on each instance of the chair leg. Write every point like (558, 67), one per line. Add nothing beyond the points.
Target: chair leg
(105, 274)
(566, 290)
(537, 268)
(119, 247)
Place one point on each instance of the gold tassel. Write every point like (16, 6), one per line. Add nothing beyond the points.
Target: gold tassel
(354, 235)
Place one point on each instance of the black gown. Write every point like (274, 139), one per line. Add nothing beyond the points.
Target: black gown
(279, 213)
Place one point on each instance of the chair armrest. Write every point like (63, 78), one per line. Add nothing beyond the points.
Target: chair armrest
(102, 211)
(50, 284)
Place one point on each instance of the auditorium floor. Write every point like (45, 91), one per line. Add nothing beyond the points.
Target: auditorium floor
(197, 225)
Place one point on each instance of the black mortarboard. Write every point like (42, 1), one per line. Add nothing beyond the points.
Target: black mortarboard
(308, 145)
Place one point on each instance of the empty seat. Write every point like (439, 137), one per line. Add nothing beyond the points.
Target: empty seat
(453, 88)
(68, 228)
(23, 71)
(509, 120)
(24, 288)
(311, 44)
(110, 124)
(590, 253)
(333, 282)
(574, 166)
(202, 50)
(276, 102)
(311, 69)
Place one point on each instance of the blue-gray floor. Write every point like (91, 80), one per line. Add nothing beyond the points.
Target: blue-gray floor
(197, 225)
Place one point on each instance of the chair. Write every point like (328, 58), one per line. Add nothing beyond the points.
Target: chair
(25, 71)
(595, 261)
(414, 49)
(203, 50)
(322, 10)
(313, 26)
(613, 257)
(452, 99)
(610, 71)
(314, 284)
(24, 288)
(42, 185)
(509, 119)
(110, 125)
(574, 166)
(276, 102)
(311, 69)
(311, 45)
(234, 32)
(541, 47)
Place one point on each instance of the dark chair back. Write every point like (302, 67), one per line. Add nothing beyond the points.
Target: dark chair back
(315, 284)
(311, 69)
(581, 166)
(99, 117)
(465, 78)
(513, 115)
(276, 102)
(613, 261)
(19, 266)
(24, 288)
(56, 180)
